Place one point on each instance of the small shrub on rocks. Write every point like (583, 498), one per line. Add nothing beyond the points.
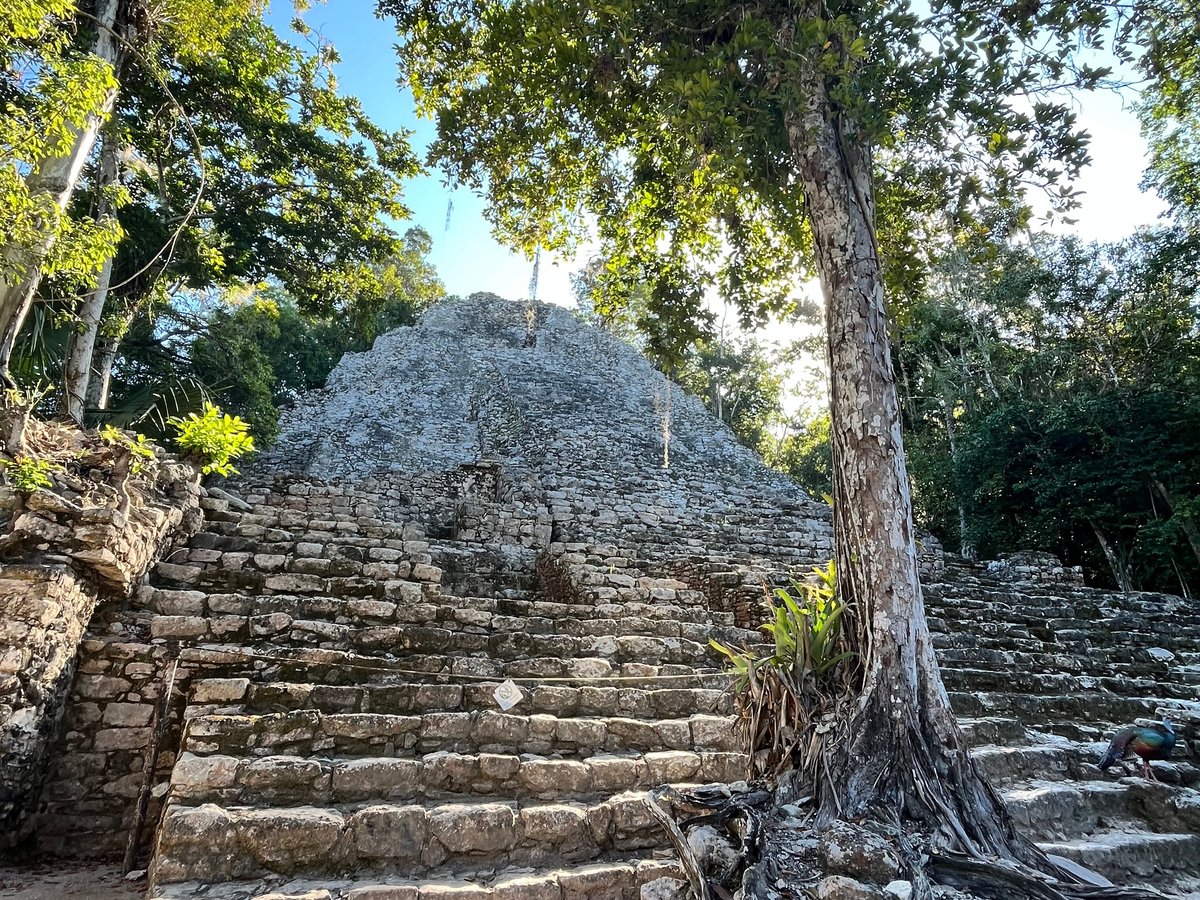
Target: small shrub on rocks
(28, 473)
(213, 438)
(137, 446)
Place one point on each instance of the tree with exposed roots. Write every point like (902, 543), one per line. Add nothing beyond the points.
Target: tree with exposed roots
(742, 147)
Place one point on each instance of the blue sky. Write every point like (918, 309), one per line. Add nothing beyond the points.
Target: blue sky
(467, 257)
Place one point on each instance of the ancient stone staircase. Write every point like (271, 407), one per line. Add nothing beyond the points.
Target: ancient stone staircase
(465, 506)
(342, 734)
(1069, 665)
(350, 735)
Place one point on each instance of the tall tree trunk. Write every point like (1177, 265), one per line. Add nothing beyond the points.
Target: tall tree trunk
(57, 177)
(1120, 572)
(965, 548)
(81, 343)
(102, 366)
(900, 753)
(1189, 527)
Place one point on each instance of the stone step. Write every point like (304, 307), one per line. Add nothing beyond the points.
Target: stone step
(1083, 606)
(1142, 855)
(620, 879)
(348, 735)
(425, 606)
(214, 843)
(1063, 760)
(1054, 810)
(965, 639)
(958, 678)
(268, 662)
(415, 698)
(1112, 635)
(337, 579)
(421, 622)
(1009, 766)
(1098, 662)
(274, 526)
(280, 629)
(320, 780)
(1089, 706)
(1118, 635)
(983, 732)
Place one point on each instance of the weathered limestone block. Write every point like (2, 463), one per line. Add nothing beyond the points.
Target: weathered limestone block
(198, 842)
(666, 889)
(673, 766)
(559, 827)
(553, 777)
(839, 887)
(284, 840)
(362, 779)
(591, 881)
(220, 690)
(388, 832)
(527, 887)
(198, 775)
(473, 829)
(385, 892)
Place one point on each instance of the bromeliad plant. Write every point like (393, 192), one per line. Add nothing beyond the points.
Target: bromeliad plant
(789, 699)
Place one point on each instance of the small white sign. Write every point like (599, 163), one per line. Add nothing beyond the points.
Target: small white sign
(508, 695)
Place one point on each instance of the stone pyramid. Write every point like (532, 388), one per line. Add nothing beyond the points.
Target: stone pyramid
(483, 498)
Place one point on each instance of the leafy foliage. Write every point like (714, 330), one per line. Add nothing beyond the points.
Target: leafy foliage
(1050, 393)
(151, 406)
(738, 382)
(28, 473)
(675, 126)
(136, 444)
(804, 452)
(255, 351)
(787, 698)
(1170, 104)
(51, 88)
(298, 183)
(213, 438)
(241, 164)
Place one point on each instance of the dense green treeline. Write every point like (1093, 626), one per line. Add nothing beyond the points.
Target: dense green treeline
(1050, 395)
(1052, 400)
(222, 224)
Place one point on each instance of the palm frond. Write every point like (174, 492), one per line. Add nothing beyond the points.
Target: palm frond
(148, 409)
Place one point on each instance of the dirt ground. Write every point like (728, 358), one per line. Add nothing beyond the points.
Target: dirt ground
(52, 880)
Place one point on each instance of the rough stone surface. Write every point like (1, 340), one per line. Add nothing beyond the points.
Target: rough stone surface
(839, 887)
(483, 499)
(60, 558)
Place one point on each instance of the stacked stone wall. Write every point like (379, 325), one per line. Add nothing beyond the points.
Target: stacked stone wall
(1034, 567)
(63, 558)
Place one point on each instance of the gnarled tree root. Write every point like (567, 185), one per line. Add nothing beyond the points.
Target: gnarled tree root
(774, 870)
(1005, 880)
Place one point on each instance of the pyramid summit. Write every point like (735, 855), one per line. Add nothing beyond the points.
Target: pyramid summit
(530, 385)
(570, 426)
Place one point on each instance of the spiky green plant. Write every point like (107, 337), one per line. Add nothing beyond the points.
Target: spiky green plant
(790, 696)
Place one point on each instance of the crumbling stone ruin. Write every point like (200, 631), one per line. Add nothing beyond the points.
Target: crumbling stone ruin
(65, 553)
(506, 494)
